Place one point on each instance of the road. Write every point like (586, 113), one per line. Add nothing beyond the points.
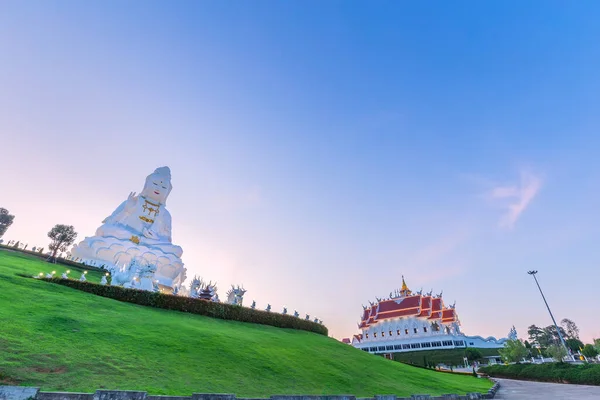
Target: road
(522, 390)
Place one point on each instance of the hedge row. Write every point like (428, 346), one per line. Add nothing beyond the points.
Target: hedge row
(194, 306)
(582, 374)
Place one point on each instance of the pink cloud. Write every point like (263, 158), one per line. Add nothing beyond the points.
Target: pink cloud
(516, 197)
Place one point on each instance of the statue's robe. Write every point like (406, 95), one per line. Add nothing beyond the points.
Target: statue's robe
(146, 223)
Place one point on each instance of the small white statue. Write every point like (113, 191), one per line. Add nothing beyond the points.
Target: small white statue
(146, 278)
(103, 281)
(65, 275)
(512, 335)
(51, 275)
(123, 276)
(284, 310)
(253, 306)
(307, 317)
(268, 309)
(195, 286)
(82, 278)
(296, 314)
(235, 295)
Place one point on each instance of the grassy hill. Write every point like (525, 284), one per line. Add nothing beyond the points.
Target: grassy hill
(59, 338)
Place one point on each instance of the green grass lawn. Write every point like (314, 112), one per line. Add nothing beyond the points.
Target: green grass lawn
(59, 338)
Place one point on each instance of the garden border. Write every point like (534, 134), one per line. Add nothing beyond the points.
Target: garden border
(192, 305)
(29, 393)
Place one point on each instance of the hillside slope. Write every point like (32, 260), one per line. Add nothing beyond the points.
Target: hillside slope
(58, 338)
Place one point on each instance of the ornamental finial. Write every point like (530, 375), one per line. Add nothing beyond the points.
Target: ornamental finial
(405, 290)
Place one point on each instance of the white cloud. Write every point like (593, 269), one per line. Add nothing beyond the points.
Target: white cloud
(517, 197)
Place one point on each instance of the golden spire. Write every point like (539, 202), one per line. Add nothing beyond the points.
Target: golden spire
(405, 290)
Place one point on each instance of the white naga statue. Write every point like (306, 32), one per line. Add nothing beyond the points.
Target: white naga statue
(139, 229)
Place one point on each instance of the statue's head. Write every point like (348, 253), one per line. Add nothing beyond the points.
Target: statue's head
(158, 185)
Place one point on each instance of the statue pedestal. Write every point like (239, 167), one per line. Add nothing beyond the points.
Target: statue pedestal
(114, 253)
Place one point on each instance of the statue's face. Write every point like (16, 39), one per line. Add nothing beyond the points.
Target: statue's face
(157, 188)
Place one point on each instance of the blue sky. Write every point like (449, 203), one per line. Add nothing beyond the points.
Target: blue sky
(320, 150)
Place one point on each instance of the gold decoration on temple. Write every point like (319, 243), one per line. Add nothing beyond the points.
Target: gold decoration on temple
(148, 220)
(405, 290)
(135, 239)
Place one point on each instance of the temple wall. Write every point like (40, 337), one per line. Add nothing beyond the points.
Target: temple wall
(395, 344)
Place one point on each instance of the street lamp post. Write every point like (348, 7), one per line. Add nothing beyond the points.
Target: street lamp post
(532, 273)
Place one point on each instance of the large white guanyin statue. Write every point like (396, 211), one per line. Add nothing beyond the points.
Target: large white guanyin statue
(139, 230)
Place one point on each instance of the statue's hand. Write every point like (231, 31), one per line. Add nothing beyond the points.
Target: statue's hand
(149, 234)
(131, 200)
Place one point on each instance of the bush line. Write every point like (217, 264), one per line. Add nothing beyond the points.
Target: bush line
(193, 306)
(582, 374)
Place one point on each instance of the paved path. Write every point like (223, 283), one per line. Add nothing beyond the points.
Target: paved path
(522, 390)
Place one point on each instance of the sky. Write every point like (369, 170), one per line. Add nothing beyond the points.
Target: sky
(322, 149)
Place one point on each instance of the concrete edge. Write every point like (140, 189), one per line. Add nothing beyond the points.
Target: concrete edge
(33, 393)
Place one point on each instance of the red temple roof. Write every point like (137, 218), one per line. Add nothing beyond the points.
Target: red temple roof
(425, 306)
(408, 304)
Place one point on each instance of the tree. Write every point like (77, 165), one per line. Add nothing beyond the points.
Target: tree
(574, 344)
(538, 336)
(557, 351)
(473, 354)
(571, 329)
(551, 335)
(6, 220)
(513, 351)
(597, 344)
(589, 351)
(62, 237)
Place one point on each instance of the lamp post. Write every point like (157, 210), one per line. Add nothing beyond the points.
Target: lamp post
(532, 273)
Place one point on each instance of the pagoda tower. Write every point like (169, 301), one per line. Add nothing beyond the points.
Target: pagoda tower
(405, 291)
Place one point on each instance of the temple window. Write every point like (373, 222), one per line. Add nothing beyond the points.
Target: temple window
(398, 332)
(366, 335)
(382, 334)
(375, 334)
(425, 329)
(406, 331)
(390, 333)
(415, 329)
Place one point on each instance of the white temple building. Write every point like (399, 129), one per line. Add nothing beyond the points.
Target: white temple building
(408, 321)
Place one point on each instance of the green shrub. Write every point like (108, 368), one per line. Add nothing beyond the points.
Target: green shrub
(557, 351)
(583, 374)
(194, 306)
